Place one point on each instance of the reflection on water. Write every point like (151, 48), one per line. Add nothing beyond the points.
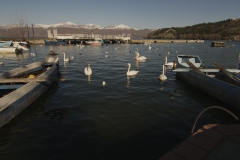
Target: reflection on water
(14, 56)
(65, 66)
(89, 78)
(139, 112)
(139, 61)
(58, 114)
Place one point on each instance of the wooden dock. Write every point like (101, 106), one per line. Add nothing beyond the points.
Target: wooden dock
(149, 41)
(212, 141)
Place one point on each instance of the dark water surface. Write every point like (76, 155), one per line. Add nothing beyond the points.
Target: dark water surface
(128, 118)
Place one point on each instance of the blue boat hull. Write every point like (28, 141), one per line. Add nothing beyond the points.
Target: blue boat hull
(55, 42)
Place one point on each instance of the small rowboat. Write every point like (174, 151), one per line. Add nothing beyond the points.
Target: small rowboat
(22, 86)
(221, 83)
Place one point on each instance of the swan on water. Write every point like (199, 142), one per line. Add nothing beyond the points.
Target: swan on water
(162, 77)
(71, 58)
(132, 72)
(149, 47)
(33, 54)
(168, 65)
(88, 70)
(103, 83)
(64, 58)
(138, 57)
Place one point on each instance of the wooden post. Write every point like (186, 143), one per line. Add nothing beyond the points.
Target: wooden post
(192, 66)
(28, 31)
(229, 74)
(32, 30)
(239, 61)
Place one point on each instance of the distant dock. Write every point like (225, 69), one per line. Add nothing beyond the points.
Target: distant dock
(149, 41)
(131, 41)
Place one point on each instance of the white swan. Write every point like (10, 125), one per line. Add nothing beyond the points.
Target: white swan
(131, 73)
(162, 77)
(138, 57)
(88, 70)
(33, 54)
(71, 58)
(103, 83)
(149, 47)
(64, 58)
(168, 65)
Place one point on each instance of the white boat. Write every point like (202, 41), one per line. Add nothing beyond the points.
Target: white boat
(10, 50)
(194, 59)
(4, 44)
(24, 44)
(20, 46)
(221, 83)
(96, 42)
(22, 86)
(183, 65)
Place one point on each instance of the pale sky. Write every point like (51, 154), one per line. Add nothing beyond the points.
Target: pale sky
(138, 14)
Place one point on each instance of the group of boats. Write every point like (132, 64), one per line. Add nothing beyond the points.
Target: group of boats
(221, 83)
(95, 42)
(13, 47)
(22, 86)
(55, 42)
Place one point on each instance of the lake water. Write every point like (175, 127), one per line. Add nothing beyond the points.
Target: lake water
(128, 118)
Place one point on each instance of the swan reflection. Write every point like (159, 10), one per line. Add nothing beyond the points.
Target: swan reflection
(89, 79)
(128, 80)
(65, 66)
(137, 61)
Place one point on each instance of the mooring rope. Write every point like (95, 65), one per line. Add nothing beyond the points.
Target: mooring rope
(211, 107)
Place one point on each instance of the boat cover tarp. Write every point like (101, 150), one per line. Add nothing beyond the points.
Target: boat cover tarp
(5, 44)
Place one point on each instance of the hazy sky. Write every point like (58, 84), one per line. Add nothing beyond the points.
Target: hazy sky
(138, 14)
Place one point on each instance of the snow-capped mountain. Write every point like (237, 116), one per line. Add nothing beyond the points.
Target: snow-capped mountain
(67, 24)
(90, 26)
(121, 26)
(86, 26)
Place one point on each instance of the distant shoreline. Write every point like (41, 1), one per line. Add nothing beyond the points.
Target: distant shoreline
(36, 41)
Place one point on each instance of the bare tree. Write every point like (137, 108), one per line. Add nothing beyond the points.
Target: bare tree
(19, 24)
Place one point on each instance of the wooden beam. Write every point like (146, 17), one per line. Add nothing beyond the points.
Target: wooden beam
(230, 75)
(26, 80)
(193, 67)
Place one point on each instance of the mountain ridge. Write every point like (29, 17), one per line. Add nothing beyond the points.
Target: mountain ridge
(73, 25)
(221, 30)
(40, 30)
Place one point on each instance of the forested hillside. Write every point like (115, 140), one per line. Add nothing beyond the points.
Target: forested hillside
(222, 30)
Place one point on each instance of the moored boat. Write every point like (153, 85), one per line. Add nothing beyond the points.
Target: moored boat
(96, 42)
(5, 44)
(218, 44)
(22, 86)
(221, 83)
(7, 47)
(55, 42)
(11, 50)
(24, 45)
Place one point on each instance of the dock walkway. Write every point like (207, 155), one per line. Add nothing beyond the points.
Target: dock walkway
(212, 141)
